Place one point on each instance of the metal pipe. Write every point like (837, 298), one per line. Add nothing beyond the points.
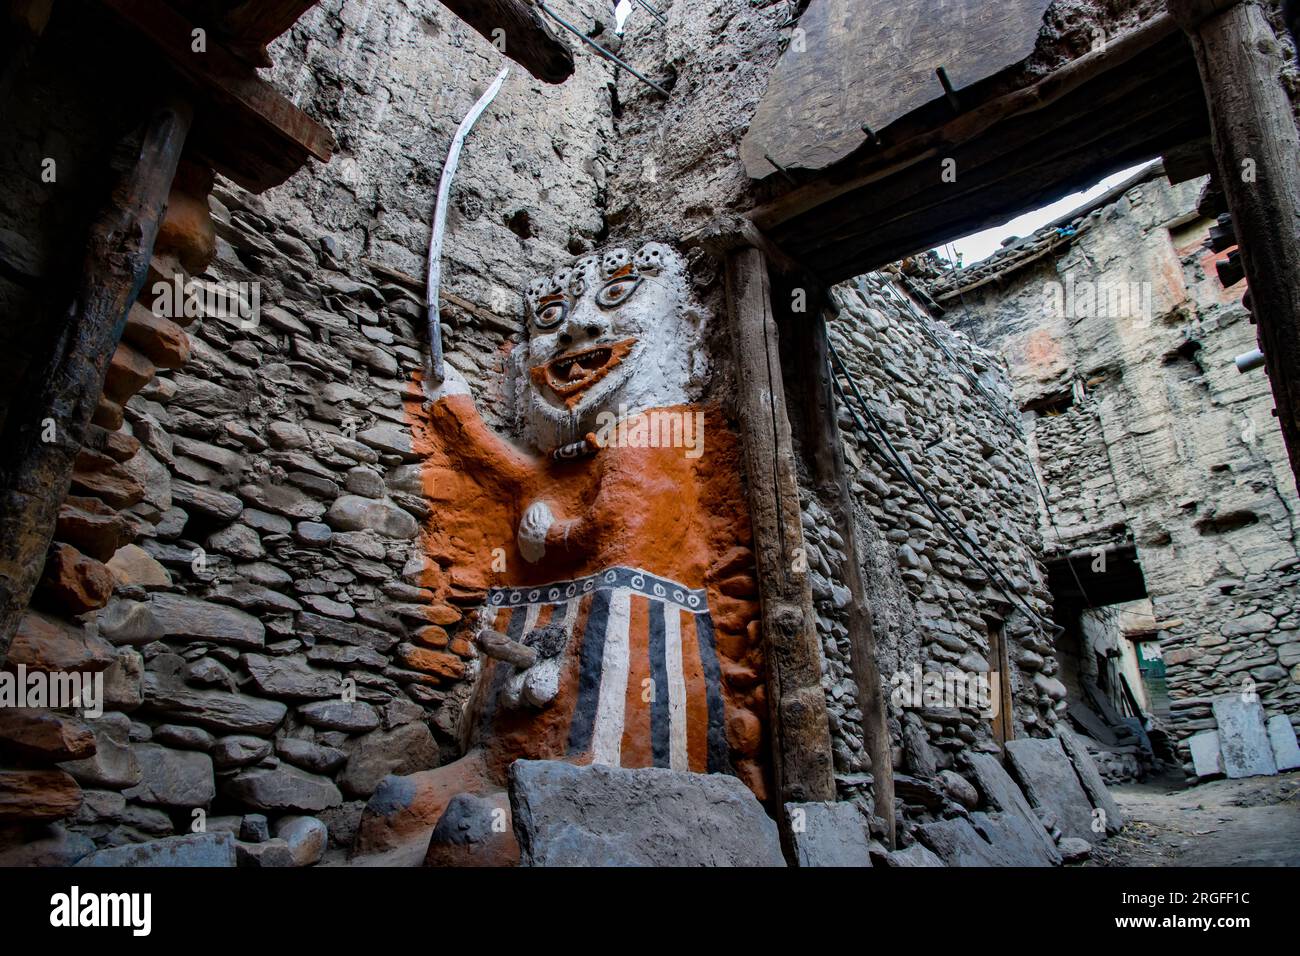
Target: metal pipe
(657, 15)
(1249, 361)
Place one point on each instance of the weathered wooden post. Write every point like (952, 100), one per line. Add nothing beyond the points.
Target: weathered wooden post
(44, 433)
(1257, 150)
(800, 729)
(831, 477)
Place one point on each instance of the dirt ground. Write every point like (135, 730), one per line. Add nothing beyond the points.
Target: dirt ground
(1250, 822)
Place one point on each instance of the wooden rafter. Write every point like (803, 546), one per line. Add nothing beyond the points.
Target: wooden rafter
(244, 127)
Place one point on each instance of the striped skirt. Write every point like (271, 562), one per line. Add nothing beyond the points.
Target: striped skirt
(639, 670)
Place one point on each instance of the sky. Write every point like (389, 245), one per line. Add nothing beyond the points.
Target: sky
(983, 244)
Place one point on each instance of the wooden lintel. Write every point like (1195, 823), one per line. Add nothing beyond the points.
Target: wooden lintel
(281, 135)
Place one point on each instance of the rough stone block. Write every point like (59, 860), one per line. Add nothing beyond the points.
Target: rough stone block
(1090, 777)
(565, 815)
(193, 849)
(1002, 793)
(1049, 781)
(1286, 753)
(1243, 738)
(829, 834)
(1206, 758)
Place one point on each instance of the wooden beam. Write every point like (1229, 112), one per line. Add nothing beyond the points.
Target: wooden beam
(830, 472)
(528, 39)
(1256, 147)
(253, 24)
(261, 21)
(800, 729)
(933, 144)
(44, 433)
(247, 130)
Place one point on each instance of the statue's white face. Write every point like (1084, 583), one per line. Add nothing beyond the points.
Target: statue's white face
(616, 332)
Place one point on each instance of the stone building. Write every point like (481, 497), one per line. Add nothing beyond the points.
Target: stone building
(345, 607)
(1163, 477)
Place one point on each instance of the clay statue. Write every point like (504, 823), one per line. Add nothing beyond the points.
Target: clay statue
(604, 573)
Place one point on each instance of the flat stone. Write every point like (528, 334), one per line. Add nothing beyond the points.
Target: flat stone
(53, 846)
(265, 855)
(829, 834)
(1206, 758)
(317, 758)
(237, 541)
(1073, 850)
(1013, 839)
(351, 717)
(192, 849)
(44, 643)
(239, 751)
(37, 795)
(389, 438)
(189, 617)
(1001, 793)
(566, 815)
(129, 622)
(283, 500)
(282, 788)
(1243, 738)
(355, 513)
(915, 855)
(1049, 781)
(291, 677)
(1281, 735)
(205, 501)
(186, 738)
(45, 735)
(216, 710)
(124, 681)
(1090, 777)
(957, 843)
(173, 778)
(131, 564)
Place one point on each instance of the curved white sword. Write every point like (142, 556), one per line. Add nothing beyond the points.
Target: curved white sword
(440, 224)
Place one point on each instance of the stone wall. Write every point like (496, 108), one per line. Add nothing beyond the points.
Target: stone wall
(933, 606)
(1147, 434)
(254, 592)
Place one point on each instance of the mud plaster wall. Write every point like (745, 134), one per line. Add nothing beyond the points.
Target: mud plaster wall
(1170, 447)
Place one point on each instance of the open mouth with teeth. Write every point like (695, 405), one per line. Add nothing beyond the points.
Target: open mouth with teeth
(571, 374)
